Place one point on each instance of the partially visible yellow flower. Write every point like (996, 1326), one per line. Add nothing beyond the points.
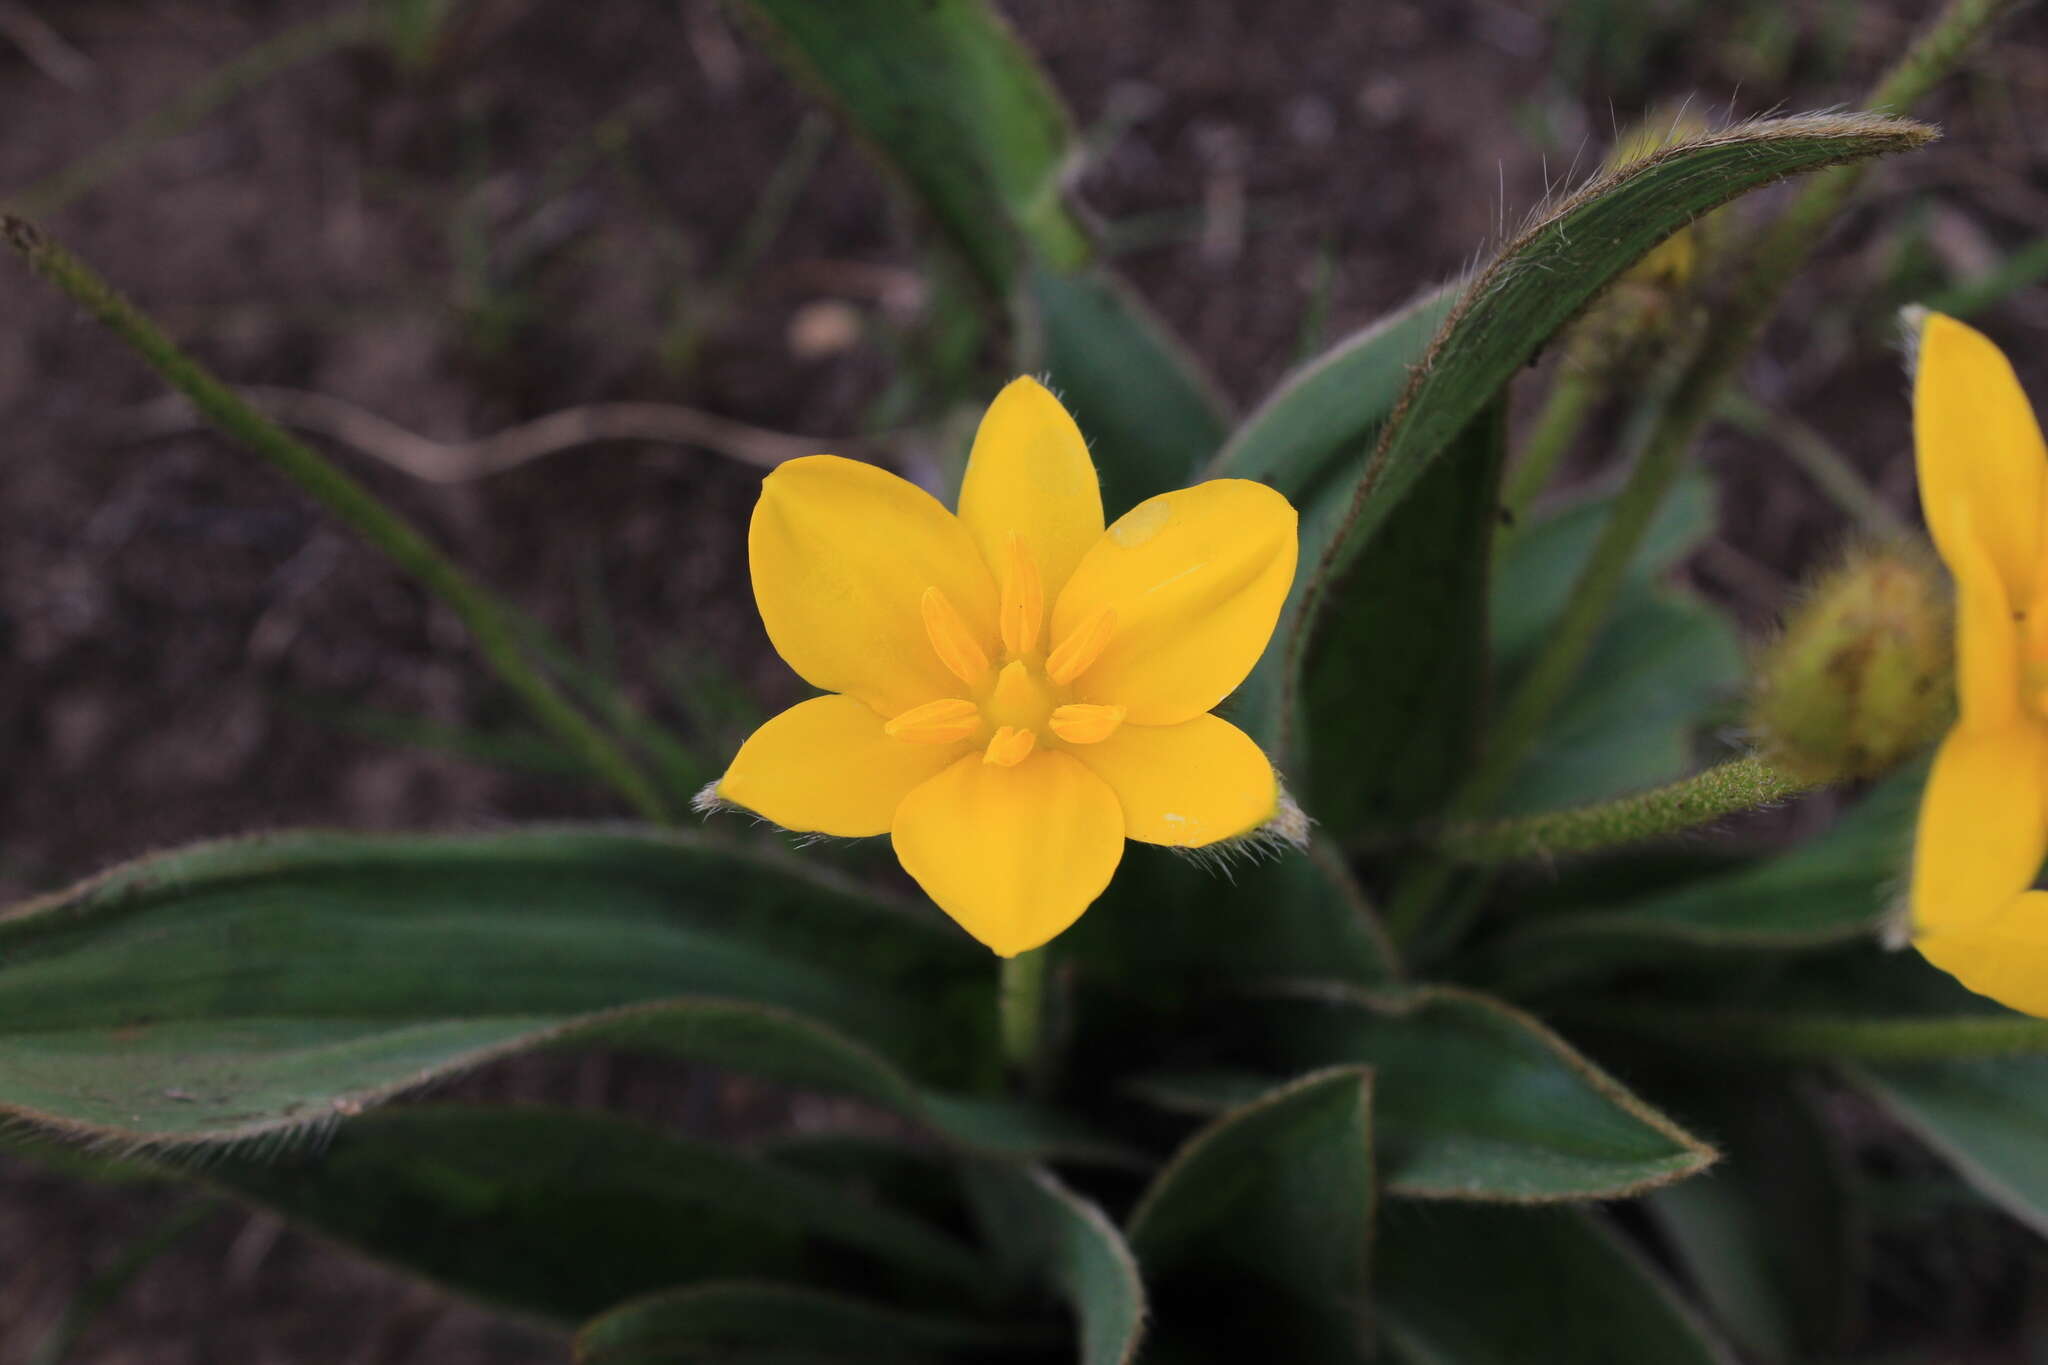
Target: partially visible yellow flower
(1984, 819)
(1015, 690)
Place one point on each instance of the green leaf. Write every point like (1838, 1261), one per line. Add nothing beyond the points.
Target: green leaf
(1047, 1236)
(1772, 1237)
(1662, 662)
(947, 98)
(1392, 690)
(1172, 928)
(1474, 1099)
(1477, 1286)
(1309, 440)
(565, 1213)
(952, 103)
(259, 987)
(1666, 661)
(1319, 424)
(1986, 1117)
(1540, 281)
(1256, 1237)
(752, 1323)
(1826, 890)
(1540, 561)
(1149, 415)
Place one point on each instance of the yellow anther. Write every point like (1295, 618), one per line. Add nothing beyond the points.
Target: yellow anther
(946, 721)
(1079, 723)
(1082, 647)
(1010, 746)
(951, 640)
(1023, 600)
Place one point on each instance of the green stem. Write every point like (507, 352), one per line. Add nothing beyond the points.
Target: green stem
(1574, 394)
(1020, 1003)
(1730, 336)
(243, 72)
(1728, 789)
(494, 626)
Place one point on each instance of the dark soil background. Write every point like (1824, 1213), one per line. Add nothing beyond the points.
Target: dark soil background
(552, 208)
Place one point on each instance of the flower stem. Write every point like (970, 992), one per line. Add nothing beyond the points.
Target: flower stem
(1728, 789)
(1020, 1005)
(494, 625)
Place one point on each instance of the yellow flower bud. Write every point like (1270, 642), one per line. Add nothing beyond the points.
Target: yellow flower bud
(1863, 676)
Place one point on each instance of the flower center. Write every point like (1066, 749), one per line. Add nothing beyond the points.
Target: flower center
(1022, 703)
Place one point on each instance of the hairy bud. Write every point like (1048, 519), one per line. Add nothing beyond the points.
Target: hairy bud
(1863, 676)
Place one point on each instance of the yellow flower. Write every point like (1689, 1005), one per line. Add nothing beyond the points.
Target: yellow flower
(1984, 818)
(1015, 690)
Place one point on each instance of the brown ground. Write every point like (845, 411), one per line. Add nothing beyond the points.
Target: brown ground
(456, 249)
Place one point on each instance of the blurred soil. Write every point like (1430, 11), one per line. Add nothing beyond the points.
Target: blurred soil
(553, 208)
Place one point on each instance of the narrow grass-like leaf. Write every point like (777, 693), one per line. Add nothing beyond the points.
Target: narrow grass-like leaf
(255, 988)
(1551, 270)
(1473, 1099)
(1988, 1118)
(1255, 1239)
(1476, 1286)
(1049, 1237)
(738, 1322)
(564, 1214)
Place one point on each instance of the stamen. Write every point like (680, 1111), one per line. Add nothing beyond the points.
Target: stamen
(1010, 747)
(951, 640)
(1023, 600)
(1079, 723)
(1081, 648)
(945, 721)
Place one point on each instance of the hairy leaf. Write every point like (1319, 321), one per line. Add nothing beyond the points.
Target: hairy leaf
(756, 1323)
(265, 986)
(563, 1213)
(1255, 1238)
(1472, 1099)
(1477, 1286)
(1049, 1237)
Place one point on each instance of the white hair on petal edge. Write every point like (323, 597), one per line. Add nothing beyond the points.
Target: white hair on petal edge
(1287, 830)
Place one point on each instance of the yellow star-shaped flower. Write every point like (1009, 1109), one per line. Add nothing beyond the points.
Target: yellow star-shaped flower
(1984, 818)
(1014, 690)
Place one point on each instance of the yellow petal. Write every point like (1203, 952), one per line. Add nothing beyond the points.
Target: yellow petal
(1987, 639)
(1186, 785)
(842, 555)
(1030, 474)
(1196, 579)
(1014, 854)
(1982, 831)
(2006, 959)
(1978, 446)
(825, 766)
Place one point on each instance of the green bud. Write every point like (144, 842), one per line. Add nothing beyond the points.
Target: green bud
(1863, 676)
